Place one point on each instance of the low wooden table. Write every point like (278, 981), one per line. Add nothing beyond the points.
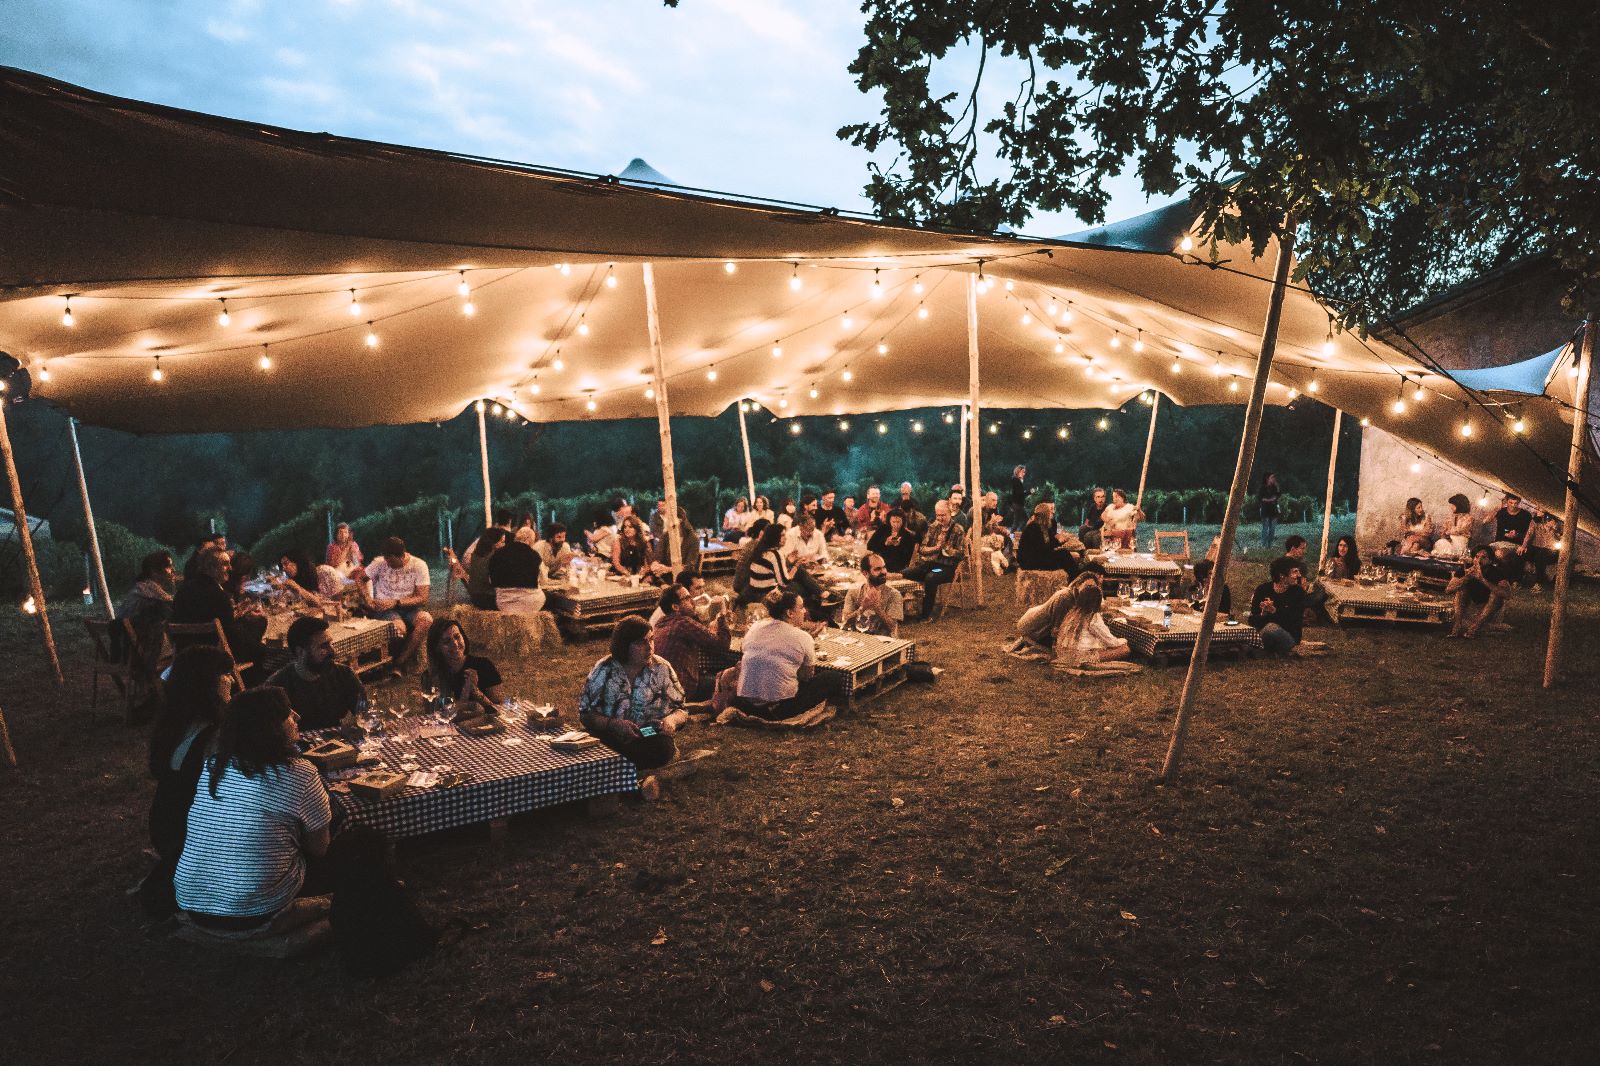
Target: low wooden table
(718, 557)
(870, 665)
(1140, 625)
(362, 644)
(1128, 566)
(840, 579)
(596, 608)
(1350, 601)
(1431, 570)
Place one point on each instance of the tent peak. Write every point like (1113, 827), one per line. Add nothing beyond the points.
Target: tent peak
(643, 173)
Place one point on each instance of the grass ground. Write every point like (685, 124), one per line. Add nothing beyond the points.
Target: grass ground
(1386, 855)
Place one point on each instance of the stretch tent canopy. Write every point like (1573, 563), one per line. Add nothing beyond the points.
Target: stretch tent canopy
(147, 223)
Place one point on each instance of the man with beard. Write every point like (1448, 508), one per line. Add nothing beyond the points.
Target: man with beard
(873, 606)
(320, 690)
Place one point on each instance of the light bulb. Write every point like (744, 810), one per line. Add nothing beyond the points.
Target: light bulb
(877, 286)
(1104, 423)
(583, 326)
(1186, 245)
(1416, 467)
(1216, 370)
(611, 280)
(1398, 407)
(794, 280)
(66, 316)
(565, 268)
(1177, 366)
(1466, 429)
(794, 429)
(844, 425)
(1116, 340)
(462, 288)
(156, 374)
(1519, 426)
(372, 338)
(355, 305)
(495, 409)
(917, 286)
(224, 318)
(783, 405)
(1483, 501)
(1233, 385)
(745, 406)
(916, 427)
(711, 375)
(847, 376)
(1008, 286)
(1418, 396)
(44, 373)
(1060, 348)
(994, 427)
(480, 407)
(846, 322)
(1054, 309)
(1138, 342)
(1366, 422)
(510, 414)
(777, 351)
(1313, 386)
(1066, 315)
(558, 363)
(813, 393)
(1027, 434)
(1558, 545)
(265, 362)
(535, 389)
(882, 429)
(922, 312)
(1293, 393)
(949, 419)
(591, 405)
(729, 267)
(1062, 433)
(883, 349)
(469, 308)
(1327, 346)
(1027, 319)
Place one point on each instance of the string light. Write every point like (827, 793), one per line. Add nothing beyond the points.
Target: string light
(922, 311)
(223, 319)
(611, 277)
(265, 362)
(1060, 348)
(534, 389)
(1366, 422)
(813, 392)
(480, 407)
(711, 375)
(846, 376)
(994, 427)
(591, 405)
(1483, 501)
(883, 349)
(462, 288)
(1466, 428)
(783, 404)
(496, 409)
(1293, 393)
(1233, 384)
(877, 286)
(1216, 367)
(794, 279)
(844, 425)
(44, 372)
(777, 351)
(745, 406)
(1027, 319)
(1061, 433)
(558, 363)
(469, 308)
(565, 269)
(1399, 405)
(917, 286)
(650, 393)
(916, 427)
(1116, 340)
(1066, 314)
(1103, 424)
(1416, 466)
(794, 429)
(583, 325)
(1177, 365)
(1519, 426)
(1008, 286)
(156, 375)
(1054, 309)
(372, 338)
(882, 429)
(1418, 395)
(66, 316)
(355, 305)
(845, 322)
(1187, 244)
(1138, 342)
(949, 419)
(729, 267)
(1313, 386)
(510, 415)
(1027, 434)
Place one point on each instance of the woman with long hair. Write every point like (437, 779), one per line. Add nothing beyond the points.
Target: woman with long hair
(475, 575)
(631, 554)
(761, 508)
(473, 681)
(1416, 530)
(1121, 520)
(1345, 562)
(343, 553)
(1084, 636)
(1455, 532)
(736, 520)
(894, 542)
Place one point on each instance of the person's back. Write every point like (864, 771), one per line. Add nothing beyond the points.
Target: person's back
(774, 654)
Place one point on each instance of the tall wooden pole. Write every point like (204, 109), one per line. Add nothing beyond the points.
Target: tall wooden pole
(749, 468)
(1569, 517)
(88, 520)
(1327, 503)
(963, 416)
(669, 480)
(41, 610)
(1230, 518)
(1149, 443)
(483, 455)
(974, 490)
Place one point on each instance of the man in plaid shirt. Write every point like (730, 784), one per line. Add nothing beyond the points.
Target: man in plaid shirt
(937, 556)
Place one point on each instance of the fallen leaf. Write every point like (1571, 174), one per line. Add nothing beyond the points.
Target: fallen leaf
(545, 975)
(1380, 830)
(1130, 916)
(1109, 1044)
(1042, 788)
(896, 802)
(1077, 793)
(660, 937)
(1154, 830)
(1056, 867)
(767, 986)
(1040, 828)
(1058, 1019)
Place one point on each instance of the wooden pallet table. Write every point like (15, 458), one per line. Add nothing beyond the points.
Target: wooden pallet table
(870, 665)
(592, 609)
(362, 644)
(1432, 571)
(1121, 567)
(1349, 601)
(717, 557)
(1140, 625)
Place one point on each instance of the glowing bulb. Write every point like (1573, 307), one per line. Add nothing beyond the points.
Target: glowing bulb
(949, 419)
(994, 427)
(1293, 393)
(1519, 426)
(372, 338)
(265, 362)
(1062, 433)
(1398, 407)
(916, 427)
(480, 407)
(744, 405)
(729, 267)
(66, 316)
(224, 318)
(611, 280)
(922, 312)
(1466, 429)
(534, 389)
(877, 286)
(812, 393)
(469, 308)
(1366, 422)
(156, 374)
(591, 405)
(794, 279)
(844, 425)
(565, 268)
(1177, 366)
(1483, 501)
(1558, 545)
(650, 394)
(711, 375)
(1138, 342)
(1233, 385)
(777, 351)
(1066, 314)
(1186, 245)
(847, 376)
(462, 288)
(510, 414)
(882, 429)
(1060, 348)
(1418, 396)
(28, 606)
(1027, 434)
(558, 363)
(883, 349)
(846, 322)
(794, 429)
(1416, 467)
(1216, 370)
(917, 286)
(1116, 340)
(1104, 423)
(1008, 286)
(496, 409)
(1327, 346)
(583, 326)
(1054, 309)
(44, 374)
(355, 305)
(1313, 386)
(1027, 319)
(783, 405)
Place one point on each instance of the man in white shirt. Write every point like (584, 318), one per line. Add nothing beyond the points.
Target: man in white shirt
(778, 675)
(804, 542)
(554, 551)
(400, 585)
(874, 606)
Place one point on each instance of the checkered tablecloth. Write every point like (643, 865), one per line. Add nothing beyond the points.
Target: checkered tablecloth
(608, 596)
(503, 781)
(1140, 564)
(860, 649)
(1387, 598)
(1145, 635)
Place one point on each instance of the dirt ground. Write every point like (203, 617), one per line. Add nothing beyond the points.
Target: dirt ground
(1386, 855)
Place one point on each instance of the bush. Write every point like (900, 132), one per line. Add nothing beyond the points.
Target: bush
(415, 523)
(306, 531)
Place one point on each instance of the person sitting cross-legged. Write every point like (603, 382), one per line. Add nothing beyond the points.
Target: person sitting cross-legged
(1278, 607)
(679, 636)
(1083, 636)
(937, 556)
(1481, 589)
(633, 702)
(400, 585)
(874, 606)
(472, 681)
(778, 676)
(321, 690)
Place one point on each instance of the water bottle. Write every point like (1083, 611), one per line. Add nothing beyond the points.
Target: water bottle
(1166, 616)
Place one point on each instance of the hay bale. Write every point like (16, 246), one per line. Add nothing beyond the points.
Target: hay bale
(505, 637)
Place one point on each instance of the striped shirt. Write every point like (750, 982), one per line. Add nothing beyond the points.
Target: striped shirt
(768, 571)
(242, 857)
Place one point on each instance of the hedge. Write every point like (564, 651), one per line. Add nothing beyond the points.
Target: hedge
(307, 531)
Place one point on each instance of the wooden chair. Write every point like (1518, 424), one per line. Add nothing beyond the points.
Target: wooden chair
(176, 631)
(959, 591)
(107, 664)
(1173, 544)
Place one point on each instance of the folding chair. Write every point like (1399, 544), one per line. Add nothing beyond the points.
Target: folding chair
(176, 631)
(1177, 542)
(105, 663)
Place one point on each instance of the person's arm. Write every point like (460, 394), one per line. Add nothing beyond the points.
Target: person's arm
(418, 598)
(616, 555)
(672, 697)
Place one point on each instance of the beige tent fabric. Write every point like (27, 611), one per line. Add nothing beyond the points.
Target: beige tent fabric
(149, 217)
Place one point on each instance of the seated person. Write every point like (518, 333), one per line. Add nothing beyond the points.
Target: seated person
(1091, 532)
(515, 574)
(475, 576)
(761, 508)
(874, 606)
(737, 519)
(321, 691)
(938, 555)
(706, 607)
(769, 569)
(778, 677)
(1202, 589)
(1511, 523)
(400, 586)
(1083, 636)
(148, 609)
(631, 555)
(1121, 521)
(894, 541)
(1456, 532)
(1044, 545)
(831, 518)
(916, 518)
(787, 513)
(525, 531)
(1542, 551)
(633, 702)
(1481, 589)
(1278, 607)
(197, 692)
(804, 543)
(555, 554)
(1037, 627)
(601, 536)
(259, 816)
(344, 554)
(996, 537)
(502, 521)
(1416, 529)
(1343, 565)
(679, 636)
(202, 545)
(1295, 548)
(473, 681)
(299, 578)
(205, 597)
(870, 516)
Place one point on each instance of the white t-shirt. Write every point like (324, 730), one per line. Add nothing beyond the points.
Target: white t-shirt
(389, 583)
(732, 519)
(1118, 518)
(774, 653)
(812, 547)
(1092, 639)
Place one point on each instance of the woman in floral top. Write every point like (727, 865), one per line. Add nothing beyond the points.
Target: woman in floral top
(633, 702)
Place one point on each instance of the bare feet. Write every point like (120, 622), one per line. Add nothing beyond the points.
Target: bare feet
(650, 789)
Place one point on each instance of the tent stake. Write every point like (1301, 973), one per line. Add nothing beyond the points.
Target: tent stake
(483, 454)
(1149, 443)
(974, 490)
(749, 469)
(88, 519)
(669, 480)
(1327, 504)
(1569, 517)
(1230, 518)
(26, 534)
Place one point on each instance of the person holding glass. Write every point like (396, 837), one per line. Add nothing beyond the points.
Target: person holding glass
(472, 681)
(873, 606)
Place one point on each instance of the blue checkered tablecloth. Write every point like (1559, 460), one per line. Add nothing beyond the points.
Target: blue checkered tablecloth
(502, 781)
(1140, 564)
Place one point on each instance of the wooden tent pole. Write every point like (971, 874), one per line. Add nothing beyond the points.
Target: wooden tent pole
(1149, 443)
(88, 520)
(974, 490)
(669, 480)
(1569, 517)
(41, 609)
(749, 468)
(963, 415)
(5, 742)
(483, 456)
(1327, 503)
(1230, 518)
